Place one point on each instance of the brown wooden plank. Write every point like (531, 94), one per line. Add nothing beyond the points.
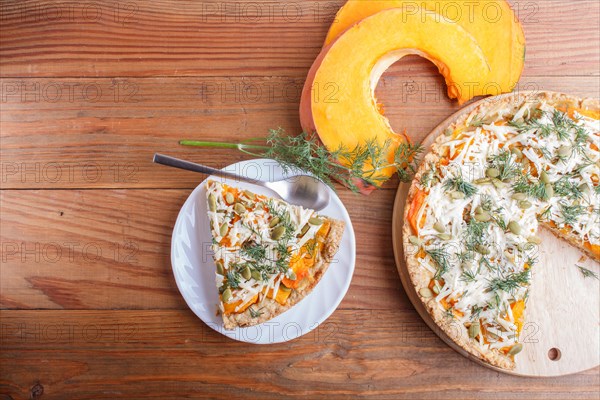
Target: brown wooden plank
(56, 134)
(88, 249)
(92, 89)
(243, 38)
(105, 249)
(171, 354)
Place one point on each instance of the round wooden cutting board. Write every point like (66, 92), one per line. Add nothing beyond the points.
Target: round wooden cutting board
(561, 334)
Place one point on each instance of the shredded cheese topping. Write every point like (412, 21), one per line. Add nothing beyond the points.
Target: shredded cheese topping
(491, 184)
(253, 249)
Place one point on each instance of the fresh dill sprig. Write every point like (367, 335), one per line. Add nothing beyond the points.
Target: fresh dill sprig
(476, 122)
(500, 221)
(494, 302)
(233, 278)
(404, 160)
(581, 136)
(427, 176)
(256, 252)
(533, 124)
(580, 168)
(255, 313)
(545, 152)
(579, 142)
(484, 261)
(510, 283)
(461, 185)
(440, 257)
(475, 312)
(486, 202)
(505, 164)
(304, 152)
(311, 247)
(468, 276)
(283, 257)
(475, 234)
(570, 213)
(587, 273)
(482, 119)
(531, 260)
(525, 185)
(463, 256)
(566, 188)
(561, 125)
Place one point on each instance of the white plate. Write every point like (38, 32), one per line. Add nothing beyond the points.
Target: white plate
(194, 268)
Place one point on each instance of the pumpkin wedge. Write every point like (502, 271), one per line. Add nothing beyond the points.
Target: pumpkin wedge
(492, 23)
(349, 69)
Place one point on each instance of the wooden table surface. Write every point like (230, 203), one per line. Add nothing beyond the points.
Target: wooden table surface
(90, 309)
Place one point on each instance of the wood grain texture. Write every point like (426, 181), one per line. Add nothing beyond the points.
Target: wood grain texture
(109, 249)
(90, 90)
(243, 38)
(102, 133)
(134, 354)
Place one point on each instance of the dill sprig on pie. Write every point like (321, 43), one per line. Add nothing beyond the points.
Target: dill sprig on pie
(255, 313)
(428, 177)
(570, 213)
(561, 125)
(304, 152)
(256, 252)
(468, 276)
(511, 282)
(564, 187)
(539, 190)
(505, 164)
(233, 277)
(475, 233)
(461, 185)
(440, 257)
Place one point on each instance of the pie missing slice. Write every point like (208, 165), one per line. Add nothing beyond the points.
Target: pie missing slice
(269, 254)
(489, 183)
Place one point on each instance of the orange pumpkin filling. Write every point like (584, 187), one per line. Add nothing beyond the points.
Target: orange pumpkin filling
(300, 263)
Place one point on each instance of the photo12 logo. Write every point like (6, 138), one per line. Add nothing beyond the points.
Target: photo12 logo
(119, 12)
(74, 91)
(267, 12)
(59, 172)
(251, 91)
(272, 331)
(67, 332)
(413, 91)
(68, 251)
(471, 11)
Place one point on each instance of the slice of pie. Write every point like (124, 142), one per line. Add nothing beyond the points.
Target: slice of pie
(269, 254)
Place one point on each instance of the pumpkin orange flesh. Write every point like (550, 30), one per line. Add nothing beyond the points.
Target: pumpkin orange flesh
(306, 258)
(352, 65)
(492, 23)
(229, 308)
(300, 264)
(518, 309)
(594, 248)
(413, 211)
